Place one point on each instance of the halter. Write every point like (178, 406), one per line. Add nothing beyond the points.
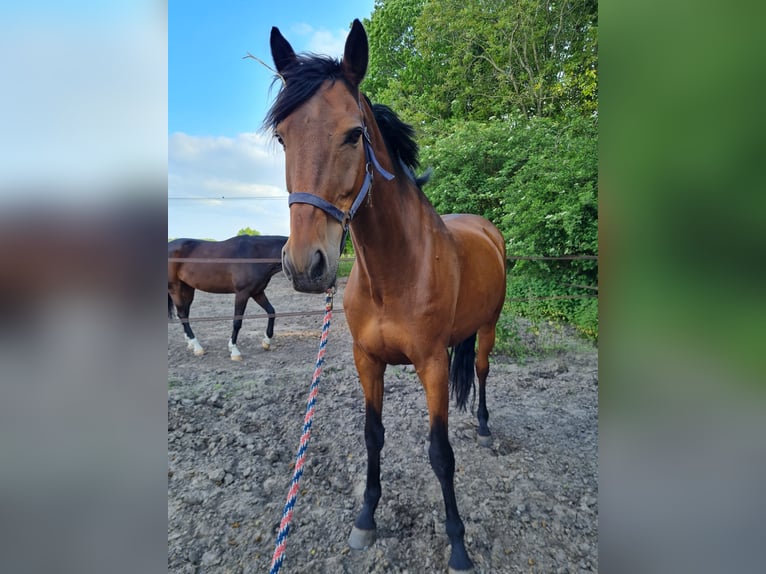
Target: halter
(344, 218)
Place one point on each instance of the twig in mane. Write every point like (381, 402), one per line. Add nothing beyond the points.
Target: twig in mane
(265, 65)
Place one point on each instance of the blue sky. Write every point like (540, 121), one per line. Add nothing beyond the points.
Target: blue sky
(217, 102)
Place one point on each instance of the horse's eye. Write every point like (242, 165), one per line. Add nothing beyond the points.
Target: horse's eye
(279, 139)
(352, 137)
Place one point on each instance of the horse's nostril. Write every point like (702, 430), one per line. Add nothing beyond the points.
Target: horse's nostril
(317, 267)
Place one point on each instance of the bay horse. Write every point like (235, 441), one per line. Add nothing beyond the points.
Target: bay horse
(245, 280)
(421, 284)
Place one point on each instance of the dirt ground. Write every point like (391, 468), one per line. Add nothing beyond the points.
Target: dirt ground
(529, 502)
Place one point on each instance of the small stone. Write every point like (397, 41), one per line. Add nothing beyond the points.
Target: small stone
(193, 499)
(210, 558)
(216, 475)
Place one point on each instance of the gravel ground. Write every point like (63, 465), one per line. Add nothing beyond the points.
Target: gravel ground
(529, 502)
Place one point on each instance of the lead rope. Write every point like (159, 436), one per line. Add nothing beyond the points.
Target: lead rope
(300, 458)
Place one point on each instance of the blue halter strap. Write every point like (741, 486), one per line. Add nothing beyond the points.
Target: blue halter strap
(344, 218)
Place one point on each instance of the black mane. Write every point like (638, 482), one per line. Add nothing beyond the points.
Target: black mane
(399, 136)
(301, 81)
(304, 77)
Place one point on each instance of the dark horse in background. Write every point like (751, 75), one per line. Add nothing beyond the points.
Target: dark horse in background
(421, 284)
(244, 279)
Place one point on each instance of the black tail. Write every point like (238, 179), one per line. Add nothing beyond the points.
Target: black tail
(461, 371)
(170, 307)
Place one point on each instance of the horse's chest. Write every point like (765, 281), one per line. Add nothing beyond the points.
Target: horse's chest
(392, 339)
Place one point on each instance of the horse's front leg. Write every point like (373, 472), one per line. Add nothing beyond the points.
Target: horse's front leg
(371, 377)
(434, 375)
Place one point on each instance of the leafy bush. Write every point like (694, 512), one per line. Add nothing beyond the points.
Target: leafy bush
(536, 179)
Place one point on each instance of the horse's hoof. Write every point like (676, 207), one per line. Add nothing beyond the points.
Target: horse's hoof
(266, 343)
(361, 539)
(453, 571)
(199, 352)
(236, 357)
(485, 441)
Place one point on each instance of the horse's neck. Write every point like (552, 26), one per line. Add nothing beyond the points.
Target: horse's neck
(394, 231)
(396, 226)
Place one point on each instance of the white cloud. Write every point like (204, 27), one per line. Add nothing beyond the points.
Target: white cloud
(247, 170)
(327, 42)
(322, 41)
(302, 29)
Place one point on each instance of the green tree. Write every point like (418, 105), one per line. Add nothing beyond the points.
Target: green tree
(248, 231)
(395, 73)
(439, 59)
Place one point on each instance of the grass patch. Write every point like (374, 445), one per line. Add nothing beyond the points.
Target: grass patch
(344, 267)
(532, 325)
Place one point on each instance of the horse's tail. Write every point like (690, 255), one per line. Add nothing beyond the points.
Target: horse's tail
(461, 371)
(170, 307)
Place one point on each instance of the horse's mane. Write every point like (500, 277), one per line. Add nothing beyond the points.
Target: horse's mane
(399, 136)
(304, 77)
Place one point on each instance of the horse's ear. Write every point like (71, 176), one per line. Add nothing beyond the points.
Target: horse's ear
(281, 50)
(355, 54)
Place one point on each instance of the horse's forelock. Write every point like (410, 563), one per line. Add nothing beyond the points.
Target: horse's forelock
(302, 79)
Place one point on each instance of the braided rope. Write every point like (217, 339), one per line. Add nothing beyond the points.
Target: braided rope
(300, 459)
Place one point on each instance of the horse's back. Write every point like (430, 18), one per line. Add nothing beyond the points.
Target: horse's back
(475, 228)
(255, 276)
(227, 277)
(481, 253)
(181, 247)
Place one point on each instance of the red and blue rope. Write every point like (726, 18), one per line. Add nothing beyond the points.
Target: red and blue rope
(300, 459)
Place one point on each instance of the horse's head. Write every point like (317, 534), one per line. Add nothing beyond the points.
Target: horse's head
(318, 119)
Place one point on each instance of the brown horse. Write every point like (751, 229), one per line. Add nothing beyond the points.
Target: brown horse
(244, 279)
(421, 283)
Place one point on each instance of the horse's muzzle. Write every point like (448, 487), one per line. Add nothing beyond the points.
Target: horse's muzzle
(314, 274)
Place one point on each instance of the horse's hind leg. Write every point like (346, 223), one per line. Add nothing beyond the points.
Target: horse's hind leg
(371, 377)
(485, 345)
(182, 298)
(240, 303)
(261, 299)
